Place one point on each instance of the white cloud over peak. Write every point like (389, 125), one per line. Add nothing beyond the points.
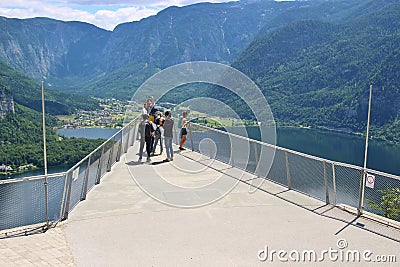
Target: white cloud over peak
(105, 14)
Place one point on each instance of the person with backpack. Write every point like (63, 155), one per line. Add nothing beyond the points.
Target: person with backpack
(159, 132)
(146, 134)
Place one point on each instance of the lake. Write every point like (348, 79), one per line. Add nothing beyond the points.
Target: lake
(92, 133)
(342, 147)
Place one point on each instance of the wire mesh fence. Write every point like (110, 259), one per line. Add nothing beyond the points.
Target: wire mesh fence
(23, 201)
(330, 181)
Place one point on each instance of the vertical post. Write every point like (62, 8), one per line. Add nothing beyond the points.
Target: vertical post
(134, 134)
(66, 210)
(334, 184)
(119, 152)
(257, 170)
(109, 163)
(100, 167)
(289, 181)
(191, 137)
(326, 185)
(209, 142)
(46, 184)
(129, 127)
(232, 155)
(63, 196)
(176, 135)
(363, 173)
(85, 182)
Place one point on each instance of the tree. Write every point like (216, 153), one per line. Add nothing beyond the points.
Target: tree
(390, 203)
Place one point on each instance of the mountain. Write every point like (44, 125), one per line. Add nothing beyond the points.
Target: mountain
(56, 50)
(21, 123)
(21, 141)
(27, 92)
(318, 73)
(313, 60)
(79, 57)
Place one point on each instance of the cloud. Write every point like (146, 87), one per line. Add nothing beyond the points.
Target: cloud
(105, 14)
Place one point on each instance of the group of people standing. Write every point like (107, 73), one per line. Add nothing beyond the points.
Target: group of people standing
(156, 127)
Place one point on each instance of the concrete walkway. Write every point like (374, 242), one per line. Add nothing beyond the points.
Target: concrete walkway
(121, 225)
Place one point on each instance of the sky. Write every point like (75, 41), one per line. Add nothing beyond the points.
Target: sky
(105, 14)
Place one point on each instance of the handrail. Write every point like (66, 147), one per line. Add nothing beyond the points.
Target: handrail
(337, 163)
(100, 146)
(32, 178)
(77, 184)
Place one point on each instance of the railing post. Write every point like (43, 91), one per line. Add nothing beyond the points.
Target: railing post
(109, 163)
(209, 143)
(128, 138)
(63, 196)
(326, 185)
(191, 137)
(334, 184)
(85, 183)
(257, 170)
(100, 167)
(119, 152)
(66, 210)
(232, 157)
(176, 135)
(362, 192)
(289, 181)
(135, 132)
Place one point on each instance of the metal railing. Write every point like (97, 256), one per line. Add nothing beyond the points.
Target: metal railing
(330, 181)
(24, 201)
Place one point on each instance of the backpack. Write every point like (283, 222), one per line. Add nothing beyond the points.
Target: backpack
(148, 130)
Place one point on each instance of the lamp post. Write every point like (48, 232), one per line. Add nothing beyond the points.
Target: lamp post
(363, 175)
(46, 184)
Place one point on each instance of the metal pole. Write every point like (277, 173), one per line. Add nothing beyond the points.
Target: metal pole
(326, 185)
(66, 210)
(109, 163)
(191, 137)
(46, 184)
(100, 167)
(232, 156)
(362, 180)
(334, 184)
(209, 143)
(289, 181)
(85, 183)
(257, 170)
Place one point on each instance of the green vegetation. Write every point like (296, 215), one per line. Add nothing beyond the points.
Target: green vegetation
(21, 141)
(21, 138)
(318, 74)
(27, 92)
(390, 203)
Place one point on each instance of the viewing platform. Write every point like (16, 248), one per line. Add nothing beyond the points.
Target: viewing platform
(120, 225)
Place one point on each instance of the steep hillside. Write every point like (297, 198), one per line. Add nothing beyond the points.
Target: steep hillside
(78, 57)
(43, 47)
(21, 141)
(318, 74)
(27, 92)
(21, 123)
